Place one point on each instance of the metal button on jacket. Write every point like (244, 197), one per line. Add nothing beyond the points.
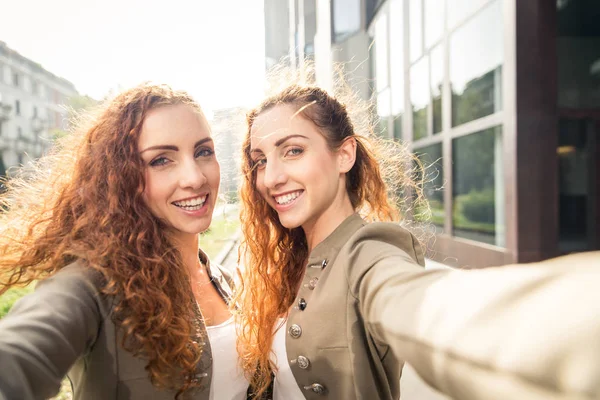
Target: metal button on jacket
(303, 362)
(302, 304)
(323, 263)
(315, 388)
(295, 331)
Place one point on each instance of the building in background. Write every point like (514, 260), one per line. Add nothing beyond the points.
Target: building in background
(31, 107)
(502, 97)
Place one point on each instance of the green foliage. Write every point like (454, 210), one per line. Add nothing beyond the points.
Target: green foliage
(477, 206)
(76, 105)
(231, 197)
(220, 231)
(475, 211)
(82, 102)
(11, 296)
(422, 211)
(419, 123)
(56, 134)
(476, 100)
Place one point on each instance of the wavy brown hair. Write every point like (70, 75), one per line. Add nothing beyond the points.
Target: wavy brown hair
(274, 256)
(84, 201)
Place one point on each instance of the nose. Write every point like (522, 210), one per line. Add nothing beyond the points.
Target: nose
(191, 175)
(274, 174)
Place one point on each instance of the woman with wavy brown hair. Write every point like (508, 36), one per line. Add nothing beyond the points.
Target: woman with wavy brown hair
(334, 299)
(126, 305)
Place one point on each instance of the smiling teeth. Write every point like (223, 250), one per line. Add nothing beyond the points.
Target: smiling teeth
(287, 198)
(191, 205)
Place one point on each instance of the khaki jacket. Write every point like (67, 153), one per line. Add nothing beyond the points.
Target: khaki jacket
(65, 326)
(366, 305)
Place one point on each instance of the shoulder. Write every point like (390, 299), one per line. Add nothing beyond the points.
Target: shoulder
(76, 283)
(77, 275)
(379, 246)
(380, 239)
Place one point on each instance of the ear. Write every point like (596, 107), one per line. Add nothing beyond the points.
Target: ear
(347, 154)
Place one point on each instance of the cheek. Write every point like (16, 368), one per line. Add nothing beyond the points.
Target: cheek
(212, 172)
(152, 190)
(322, 171)
(260, 187)
(218, 173)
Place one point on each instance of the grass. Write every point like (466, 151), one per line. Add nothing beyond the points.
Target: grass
(223, 226)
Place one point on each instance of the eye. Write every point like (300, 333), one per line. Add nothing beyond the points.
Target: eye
(294, 151)
(259, 163)
(159, 161)
(204, 152)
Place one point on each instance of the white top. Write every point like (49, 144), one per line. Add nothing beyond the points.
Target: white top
(285, 386)
(228, 381)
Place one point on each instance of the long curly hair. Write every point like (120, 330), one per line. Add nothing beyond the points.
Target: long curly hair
(84, 201)
(274, 256)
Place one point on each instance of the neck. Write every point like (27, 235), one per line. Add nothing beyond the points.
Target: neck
(188, 247)
(318, 230)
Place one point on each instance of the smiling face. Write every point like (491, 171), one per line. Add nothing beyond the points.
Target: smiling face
(180, 167)
(298, 174)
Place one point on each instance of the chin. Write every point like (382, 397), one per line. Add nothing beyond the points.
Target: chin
(196, 229)
(290, 223)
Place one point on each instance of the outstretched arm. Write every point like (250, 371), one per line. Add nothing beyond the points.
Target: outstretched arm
(515, 332)
(46, 332)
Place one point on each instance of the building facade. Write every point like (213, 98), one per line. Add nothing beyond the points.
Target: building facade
(501, 98)
(32, 103)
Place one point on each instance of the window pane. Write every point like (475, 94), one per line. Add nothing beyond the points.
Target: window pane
(458, 10)
(431, 160)
(397, 64)
(381, 53)
(416, 29)
(371, 6)
(372, 68)
(346, 18)
(476, 57)
(383, 111)
(478, 190)
(310, 25)
(419, 97)
(576, 184)
(578, 51)
(437, 80)
(434, 21)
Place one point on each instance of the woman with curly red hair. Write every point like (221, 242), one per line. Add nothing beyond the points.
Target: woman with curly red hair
(334, 299)
(126, 305)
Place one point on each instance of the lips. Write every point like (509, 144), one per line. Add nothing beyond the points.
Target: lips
(191, 204)
(287, 198)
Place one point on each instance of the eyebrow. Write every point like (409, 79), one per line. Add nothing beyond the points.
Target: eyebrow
(280, 142)
(175, 148)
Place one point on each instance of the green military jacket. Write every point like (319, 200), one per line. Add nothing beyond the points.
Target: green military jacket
(366, 305)
(65, 327)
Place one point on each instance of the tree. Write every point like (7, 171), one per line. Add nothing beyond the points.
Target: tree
(76, 105)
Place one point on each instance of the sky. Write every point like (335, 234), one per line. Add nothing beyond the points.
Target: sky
(214, 49)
